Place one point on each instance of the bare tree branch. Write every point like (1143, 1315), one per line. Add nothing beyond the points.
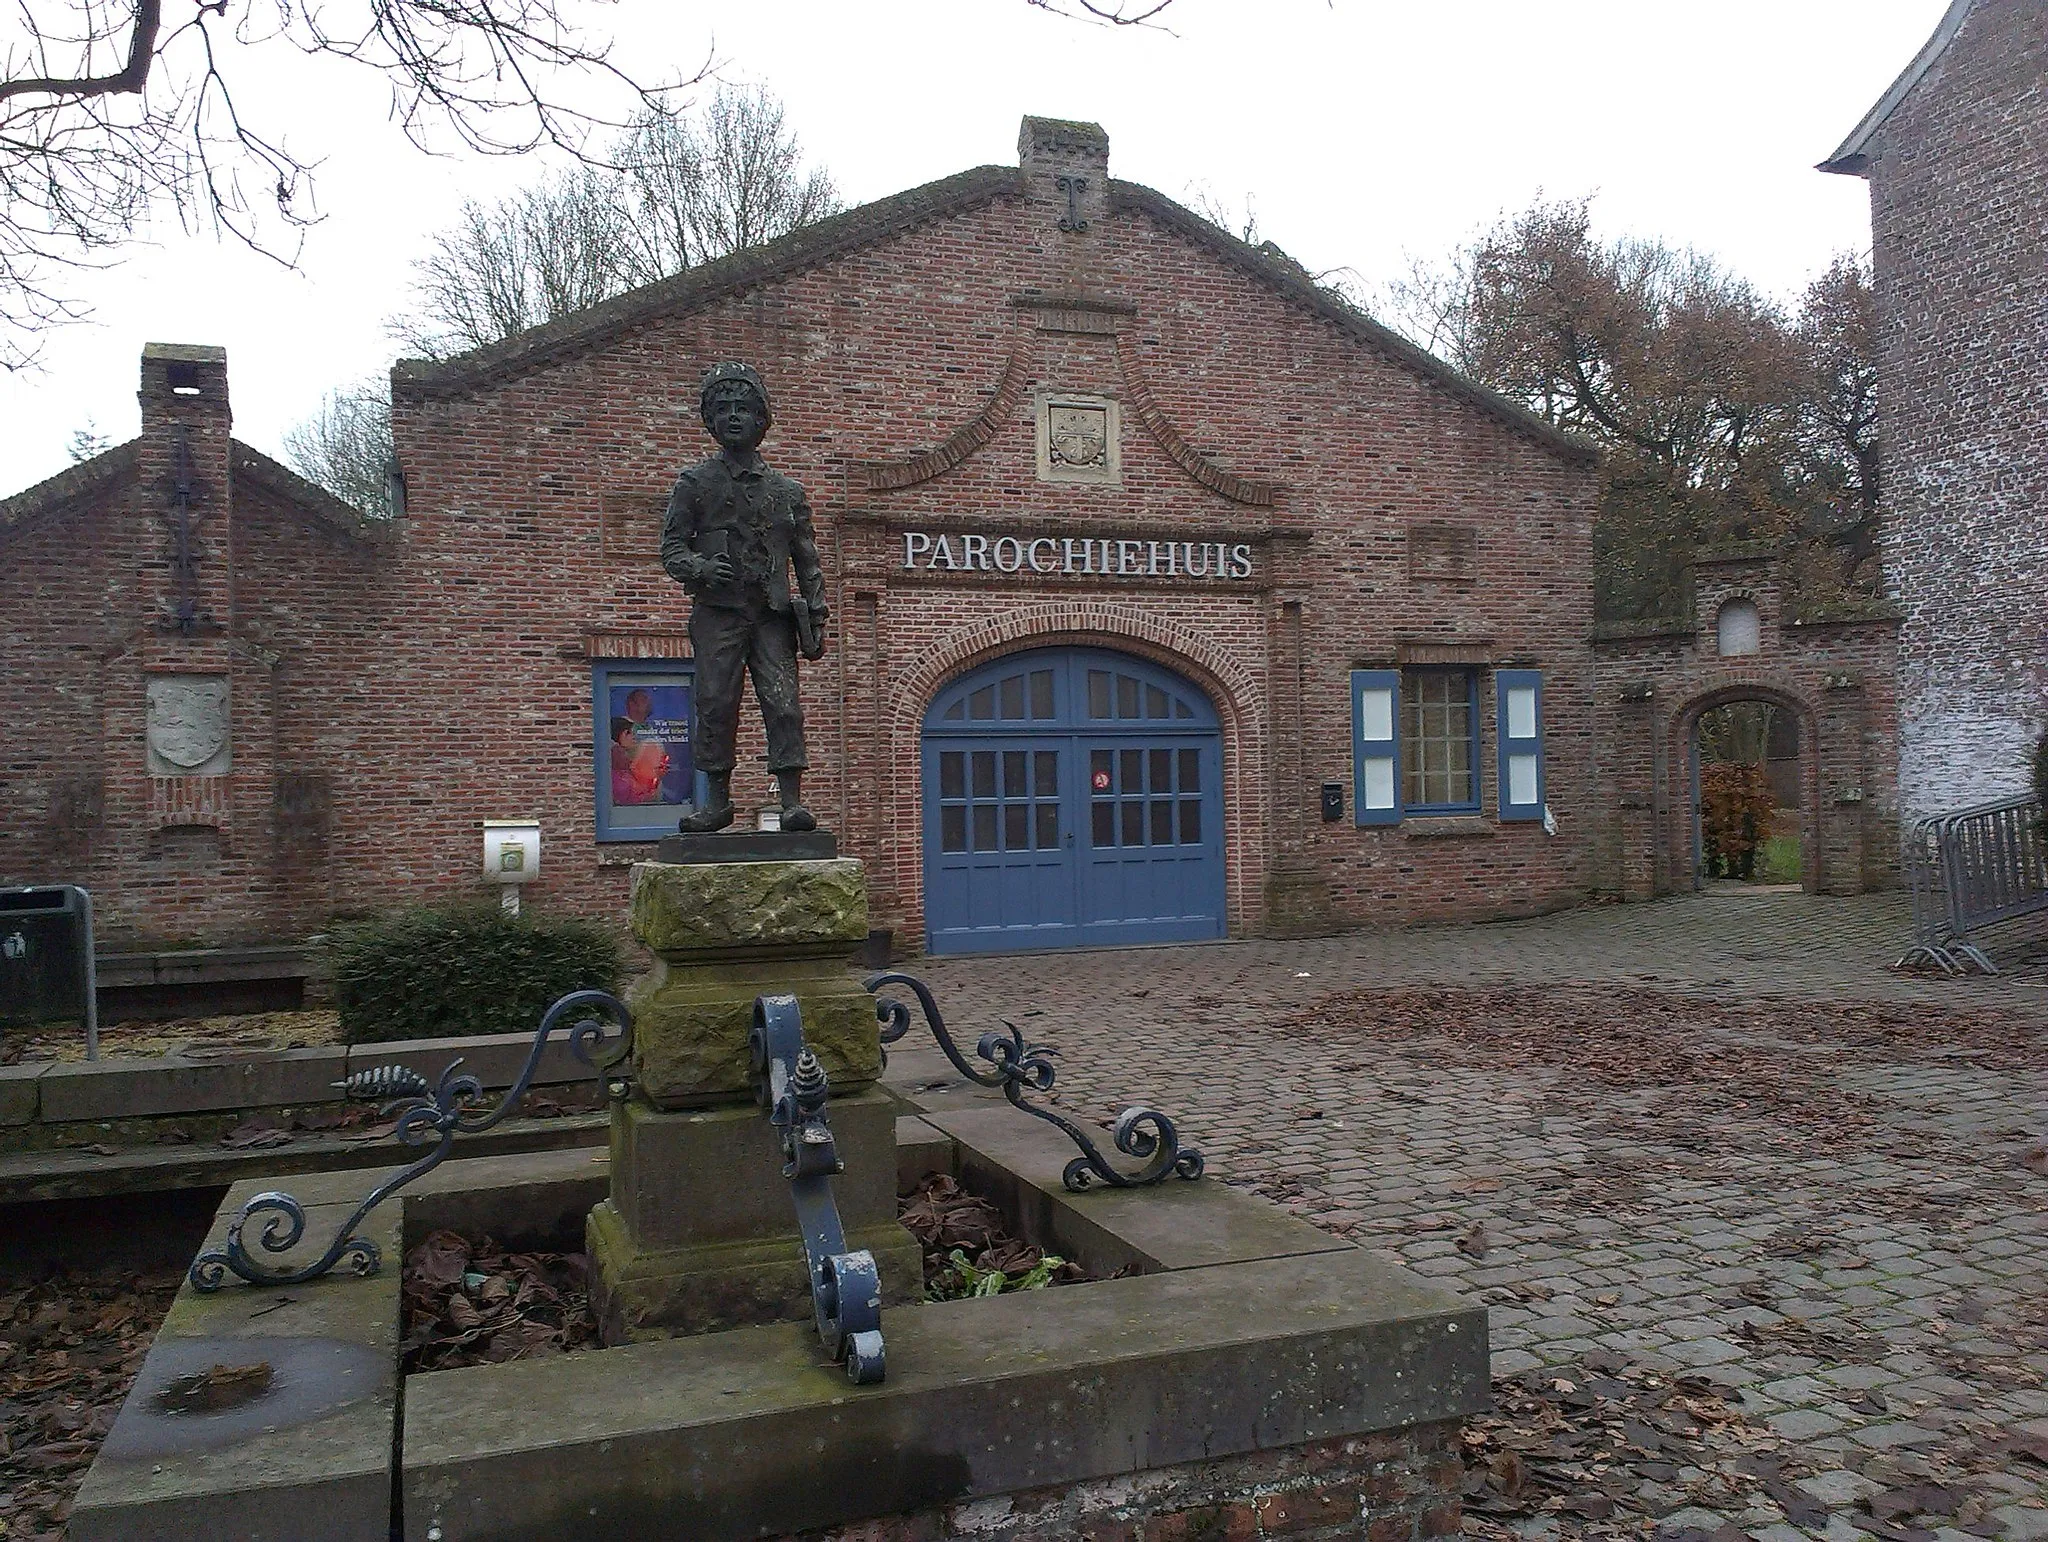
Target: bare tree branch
(671, 193)
(112, 110)
(345, 446)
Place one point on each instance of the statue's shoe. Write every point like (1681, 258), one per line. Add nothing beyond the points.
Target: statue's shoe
(705, 820)
(798, 818)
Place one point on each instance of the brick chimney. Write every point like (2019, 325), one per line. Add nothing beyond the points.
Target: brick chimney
(1066, 173)
(183, 482)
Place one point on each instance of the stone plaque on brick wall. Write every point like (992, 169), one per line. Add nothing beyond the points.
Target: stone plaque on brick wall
(187, 725)
(1078, 439)
(1444, 554)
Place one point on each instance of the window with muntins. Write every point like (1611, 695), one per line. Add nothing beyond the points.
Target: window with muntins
(1439, 741)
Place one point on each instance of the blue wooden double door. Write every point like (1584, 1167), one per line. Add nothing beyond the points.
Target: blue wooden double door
(1072, 796)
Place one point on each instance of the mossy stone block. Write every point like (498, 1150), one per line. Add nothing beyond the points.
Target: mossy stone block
(718, 907)
(690, 1027)
(640, 1293)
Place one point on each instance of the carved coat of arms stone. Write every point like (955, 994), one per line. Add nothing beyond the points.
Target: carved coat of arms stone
(1079, 436)
(187, 719)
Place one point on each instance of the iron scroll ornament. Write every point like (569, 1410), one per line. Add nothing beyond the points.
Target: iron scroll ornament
(846, 1288)
(1020, 1066)
(444, 1111)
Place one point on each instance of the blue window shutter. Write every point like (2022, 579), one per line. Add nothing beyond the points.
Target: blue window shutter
(1518, 728)
(1376, 746)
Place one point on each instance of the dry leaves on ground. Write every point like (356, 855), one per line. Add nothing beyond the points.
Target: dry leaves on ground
(1606, 1448)
(944, 1218)
(476, 1304)
(1779, 1061)
(198, 1037)
(70, 1344)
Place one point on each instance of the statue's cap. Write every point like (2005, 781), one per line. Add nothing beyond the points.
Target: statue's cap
(728, 373)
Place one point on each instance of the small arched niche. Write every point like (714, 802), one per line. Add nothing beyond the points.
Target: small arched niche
(1738, 630)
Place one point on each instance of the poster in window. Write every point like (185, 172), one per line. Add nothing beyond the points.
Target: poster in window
(649, 751)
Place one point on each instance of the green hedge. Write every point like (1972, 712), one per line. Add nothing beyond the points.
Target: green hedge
(441, 971)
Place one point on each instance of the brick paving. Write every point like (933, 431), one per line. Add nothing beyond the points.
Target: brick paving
(1864, 1262)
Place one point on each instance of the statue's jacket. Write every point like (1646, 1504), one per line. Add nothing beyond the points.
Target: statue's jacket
(767, 531)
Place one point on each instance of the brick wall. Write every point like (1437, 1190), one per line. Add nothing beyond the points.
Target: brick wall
(1396, 1487)
(1836, 675)
(1958, 175)
(279, 590)
(1269, 425)
(392, 692)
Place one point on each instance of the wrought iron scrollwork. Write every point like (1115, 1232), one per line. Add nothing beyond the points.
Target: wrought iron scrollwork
(450, 1107)
(846, 1288)
(1018, 1066)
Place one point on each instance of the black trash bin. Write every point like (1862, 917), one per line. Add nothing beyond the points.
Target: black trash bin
(47, 970)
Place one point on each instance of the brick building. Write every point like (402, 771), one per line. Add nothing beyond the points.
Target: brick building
(1172, 598)
(1956, 154)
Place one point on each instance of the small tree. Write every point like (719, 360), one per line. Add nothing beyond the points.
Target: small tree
(345, 447)
(87, 442)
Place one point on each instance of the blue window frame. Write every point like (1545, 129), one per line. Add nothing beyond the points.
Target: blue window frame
(1376, 746)
(1439, 741)
(645, 780)
(1518, 709)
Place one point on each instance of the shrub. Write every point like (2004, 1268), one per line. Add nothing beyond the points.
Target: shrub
(441, 971)
(1736, 804)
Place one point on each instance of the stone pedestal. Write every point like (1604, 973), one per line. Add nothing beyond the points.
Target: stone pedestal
(700, 1231)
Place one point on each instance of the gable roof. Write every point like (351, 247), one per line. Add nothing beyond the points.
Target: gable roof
(1852, 157)
(70, 485)
(886, 218)
(810, 246)
(110, 468)
(1272, 267)
(280, 481)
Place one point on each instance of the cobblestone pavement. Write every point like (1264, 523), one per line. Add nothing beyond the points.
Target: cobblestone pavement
(1712, 1135)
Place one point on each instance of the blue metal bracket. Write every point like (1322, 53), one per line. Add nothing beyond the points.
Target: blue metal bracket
(846, 1289)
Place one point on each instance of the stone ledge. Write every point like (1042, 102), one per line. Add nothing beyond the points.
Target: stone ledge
(80, 1090)
(1448, 827)
(701, 1437)
(309, 1460)
(19, 1101)
(74, 1174)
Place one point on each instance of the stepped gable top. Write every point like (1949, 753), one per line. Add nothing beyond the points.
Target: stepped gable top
(1852, 157)
(887, 218)
(111, 468)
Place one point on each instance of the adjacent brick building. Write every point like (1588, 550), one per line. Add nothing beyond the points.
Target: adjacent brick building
(1172, 598)
(1956, 154)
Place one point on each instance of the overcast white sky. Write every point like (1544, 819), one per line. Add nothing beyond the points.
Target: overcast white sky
(1363, 130)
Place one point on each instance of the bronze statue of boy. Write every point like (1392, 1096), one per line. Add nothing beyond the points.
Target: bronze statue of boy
(734, 530)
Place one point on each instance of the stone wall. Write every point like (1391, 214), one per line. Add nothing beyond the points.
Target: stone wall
(1401, 1486)
(1957, 175)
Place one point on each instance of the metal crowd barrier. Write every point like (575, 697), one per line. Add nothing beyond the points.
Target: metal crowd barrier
(1970, 870)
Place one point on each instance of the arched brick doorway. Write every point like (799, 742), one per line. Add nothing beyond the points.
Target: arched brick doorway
(1683, 836)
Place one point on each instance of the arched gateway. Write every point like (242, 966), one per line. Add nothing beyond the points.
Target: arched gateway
(1072, 796)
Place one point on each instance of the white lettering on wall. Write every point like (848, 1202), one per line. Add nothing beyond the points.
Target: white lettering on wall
(1089, 556)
